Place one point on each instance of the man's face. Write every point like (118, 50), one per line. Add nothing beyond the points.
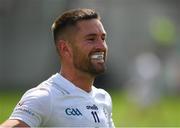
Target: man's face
(89, 47)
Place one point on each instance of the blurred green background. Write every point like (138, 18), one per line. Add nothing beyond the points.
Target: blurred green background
(143, 36)
(125, 114)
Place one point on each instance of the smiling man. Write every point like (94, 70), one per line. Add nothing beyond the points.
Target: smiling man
(68, 98)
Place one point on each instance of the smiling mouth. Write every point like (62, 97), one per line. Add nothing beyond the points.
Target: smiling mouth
(98, 56)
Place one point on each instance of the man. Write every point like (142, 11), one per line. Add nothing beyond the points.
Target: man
(68, 98)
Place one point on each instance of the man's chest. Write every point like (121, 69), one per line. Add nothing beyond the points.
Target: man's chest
(76, 111)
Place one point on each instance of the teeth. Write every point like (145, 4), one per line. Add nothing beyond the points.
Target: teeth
(98, 56)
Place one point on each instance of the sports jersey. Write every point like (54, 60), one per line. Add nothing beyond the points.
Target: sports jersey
(57, 102)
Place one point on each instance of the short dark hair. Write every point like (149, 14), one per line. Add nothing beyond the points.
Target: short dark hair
(70, 18)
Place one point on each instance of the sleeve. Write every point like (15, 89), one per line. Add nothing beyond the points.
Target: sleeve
(34, 107)
(109, 102)
(111, 123)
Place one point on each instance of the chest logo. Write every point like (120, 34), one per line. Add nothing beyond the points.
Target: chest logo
(73, 112)
(93, 107)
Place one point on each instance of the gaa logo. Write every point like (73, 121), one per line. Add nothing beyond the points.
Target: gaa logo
(73, 112)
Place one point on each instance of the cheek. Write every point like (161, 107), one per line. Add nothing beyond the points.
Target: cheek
(78, 54)
(82, 51)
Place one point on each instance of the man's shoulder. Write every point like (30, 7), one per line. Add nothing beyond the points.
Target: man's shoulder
(43, 90)
(100, 91)
(102, 94)
(36, 93)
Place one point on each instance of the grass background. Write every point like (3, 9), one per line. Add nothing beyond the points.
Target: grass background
(125, 114)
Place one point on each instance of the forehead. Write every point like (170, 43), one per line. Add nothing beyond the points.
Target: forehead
(93, 26)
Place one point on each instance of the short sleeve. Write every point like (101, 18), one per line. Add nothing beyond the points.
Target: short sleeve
(34, 107)
(109, 101)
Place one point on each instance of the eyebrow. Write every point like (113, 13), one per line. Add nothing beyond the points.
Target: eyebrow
(93, 34)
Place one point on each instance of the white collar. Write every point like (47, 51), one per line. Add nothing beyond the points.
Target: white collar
(68, 86)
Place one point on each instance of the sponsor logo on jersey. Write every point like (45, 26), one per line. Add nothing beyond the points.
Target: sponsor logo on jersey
(73, 112)
(25, 110)
(93, 107)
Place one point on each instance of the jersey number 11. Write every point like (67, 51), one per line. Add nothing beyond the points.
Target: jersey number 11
(95, 116)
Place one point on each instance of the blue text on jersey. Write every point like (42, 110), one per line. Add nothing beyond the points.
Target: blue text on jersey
(73, 111)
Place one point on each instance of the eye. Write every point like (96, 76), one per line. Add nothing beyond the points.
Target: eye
(91, 39)
(103, 38)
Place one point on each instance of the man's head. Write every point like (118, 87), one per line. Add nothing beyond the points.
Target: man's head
(80, 40)
(68, 20)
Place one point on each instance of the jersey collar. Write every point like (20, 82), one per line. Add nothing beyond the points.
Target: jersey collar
(68, 86)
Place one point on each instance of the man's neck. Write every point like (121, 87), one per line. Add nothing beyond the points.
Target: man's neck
(79, 79)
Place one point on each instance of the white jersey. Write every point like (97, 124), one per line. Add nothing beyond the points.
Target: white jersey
(59, 103)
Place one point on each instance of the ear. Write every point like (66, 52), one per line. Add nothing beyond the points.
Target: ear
(64, 48)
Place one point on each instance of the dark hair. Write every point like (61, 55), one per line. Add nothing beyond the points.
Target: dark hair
(70, 18)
